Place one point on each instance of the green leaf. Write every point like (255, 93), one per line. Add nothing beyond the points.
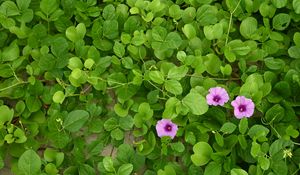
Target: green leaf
(279, 3)
(178, 147)
(219, 139)
(125, 169)
(202, 153)
(76, 33)
(5, 71)
(157, 77)
(226, 70)
(88, 63)
(228, 128)
(258, 131)
(48, 6)
(281, 21)
(74, 63)
(10, 53)
(296, 38)
(173, 40)
(237, 171)
(119, 49)
(58, 97)
(294, 52)
(75, 120)
(296, 6)
(248, 27)
(29, 163)
(1, 162)
(243, 125)
(9, 8)
(50, 168)
(213, 168)
(33, 103)
(111, 29)
(175, 11)
(109, 12)
(283, 89)
(274, 64)
(212, 64)
(189, 31)
(110, 124)
(6, 115)
(117, 134)
(126, 123)
(291, 131)
(212, 32)
(242, 141)
(108, 164)
(264, 163)
(195, 102)
(207, 14)
(173, 86)
(177, 73)
(23, 4)
(275, 113)
(20, 136)
(255, 149)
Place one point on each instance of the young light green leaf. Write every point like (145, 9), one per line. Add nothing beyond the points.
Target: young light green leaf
(189, 31)
(296, 6)
(237, 171)
(157, 77)
(58, 97)
(108, 164)
(119, 49)
(125, 169)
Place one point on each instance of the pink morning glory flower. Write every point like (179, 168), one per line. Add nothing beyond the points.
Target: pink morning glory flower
(166, 127)
(217, 96)
(243, 107)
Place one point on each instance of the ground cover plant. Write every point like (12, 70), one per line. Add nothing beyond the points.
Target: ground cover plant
(149, 87)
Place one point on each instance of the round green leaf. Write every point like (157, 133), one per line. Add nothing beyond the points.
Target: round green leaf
(157, 77)
(173, 86)
(281, 21)
(58, 97)
(6, 114)
(296, 6)
(202, 153)
(189, 31)
(248, 27)
(196, 103)
(125, 169)
(75, 120)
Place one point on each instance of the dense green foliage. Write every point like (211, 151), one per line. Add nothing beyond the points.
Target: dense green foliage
(84, 82)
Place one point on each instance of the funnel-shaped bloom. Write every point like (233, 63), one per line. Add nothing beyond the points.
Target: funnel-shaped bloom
(243, 107)
(217, 96)
(166, 127)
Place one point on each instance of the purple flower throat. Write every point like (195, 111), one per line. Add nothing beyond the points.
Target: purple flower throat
(168, 128)
(242, 108)
(217, 98)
